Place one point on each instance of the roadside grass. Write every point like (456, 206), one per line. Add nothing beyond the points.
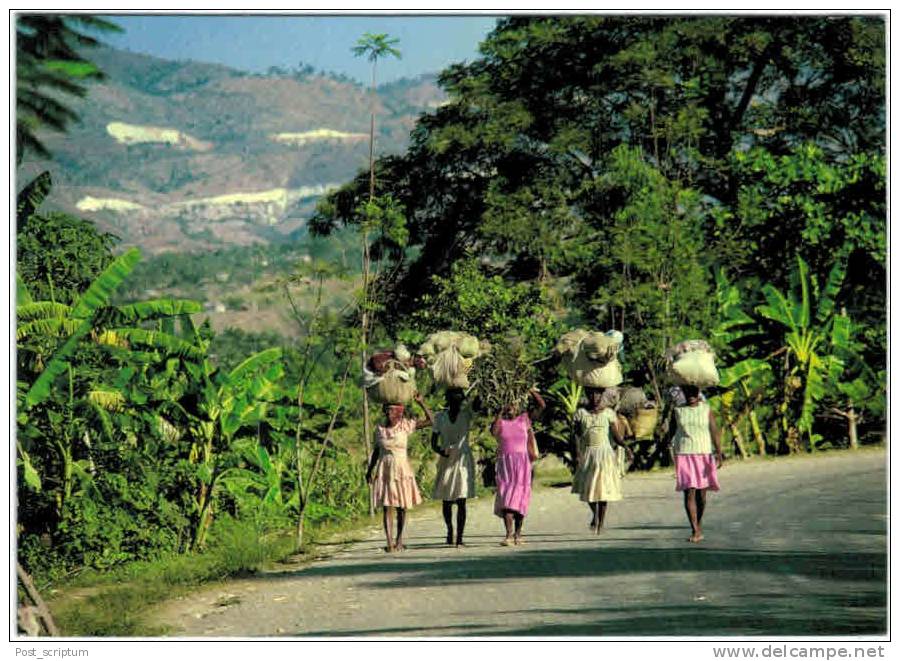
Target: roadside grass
(115, 602)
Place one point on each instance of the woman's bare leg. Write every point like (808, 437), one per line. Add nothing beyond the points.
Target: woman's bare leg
(601, 514)
(690, 506)
(519, 520)
(447, 510)
(460, 520)
(401, 521)
(508, 523)
(388, 520)
(701, 506)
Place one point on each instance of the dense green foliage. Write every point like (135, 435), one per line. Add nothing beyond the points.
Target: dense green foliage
(618, 162)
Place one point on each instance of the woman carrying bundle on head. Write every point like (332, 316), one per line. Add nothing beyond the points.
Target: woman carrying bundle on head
(597, 479)
(392, 478)
(455, 481)
(696, 432)
(517, 449)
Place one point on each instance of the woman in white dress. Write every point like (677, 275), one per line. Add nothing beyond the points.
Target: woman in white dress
(455, 480)
(597, 479)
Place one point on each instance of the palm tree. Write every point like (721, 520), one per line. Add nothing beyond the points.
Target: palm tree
(48, 64)
(373, 47)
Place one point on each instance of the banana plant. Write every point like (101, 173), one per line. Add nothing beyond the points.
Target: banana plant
(744, 376)
(51, 333)
(567, 394)
(814, 338)
(221, 407)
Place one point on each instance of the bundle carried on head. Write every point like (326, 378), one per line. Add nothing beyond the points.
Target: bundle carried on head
(451, 355)
(503, 376)
(590, 357)
(390, 376)
(692, 363)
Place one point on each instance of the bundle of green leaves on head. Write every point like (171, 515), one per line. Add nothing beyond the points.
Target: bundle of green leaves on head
(503, 377)
(451, 355)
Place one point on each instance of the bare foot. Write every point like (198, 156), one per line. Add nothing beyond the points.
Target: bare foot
(399, 546)
(598, 530)
(388, 549)
(696, 537)
(507, 542)
(460, 544)
(520, 541)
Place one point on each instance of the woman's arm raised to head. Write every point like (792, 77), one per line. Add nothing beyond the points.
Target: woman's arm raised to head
(428, 420)
(535, 413)
(495, 427)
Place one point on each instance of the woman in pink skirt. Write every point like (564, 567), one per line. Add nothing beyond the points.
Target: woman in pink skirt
(516, 450)
(696, 432)
(394, 486)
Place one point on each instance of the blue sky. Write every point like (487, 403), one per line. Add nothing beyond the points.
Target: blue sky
(254, 43)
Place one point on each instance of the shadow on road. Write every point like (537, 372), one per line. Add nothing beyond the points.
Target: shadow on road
(850, 597)
(594, 561)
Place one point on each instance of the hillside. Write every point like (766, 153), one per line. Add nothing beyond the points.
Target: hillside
(186, 156)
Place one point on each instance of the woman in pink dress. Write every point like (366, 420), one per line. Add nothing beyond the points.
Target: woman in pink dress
(516, 450)
(694, 440)
(394, 485)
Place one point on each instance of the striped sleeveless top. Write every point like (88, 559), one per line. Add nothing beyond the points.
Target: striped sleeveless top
(692, 430)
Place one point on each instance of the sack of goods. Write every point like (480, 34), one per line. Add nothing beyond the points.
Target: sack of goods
(643, 423)
(630, 400)
(692, 363)
(590, 358)
(451, 355)
(390, 376)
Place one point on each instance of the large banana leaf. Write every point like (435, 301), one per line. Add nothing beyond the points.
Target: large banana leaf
(42, 310)
(23, 296)
(102, 288)
(162, 342)
(42, 387)
(164, 307)
(801, 313)
(778, 308)
(745, 368)
(106, 399)
(254, 362)
(57, 328)
(32, 196)
(832, 288)
(32, 479)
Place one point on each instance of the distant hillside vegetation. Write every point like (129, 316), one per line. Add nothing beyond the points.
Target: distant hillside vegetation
(186, 156)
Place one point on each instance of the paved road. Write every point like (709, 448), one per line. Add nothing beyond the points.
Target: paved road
(793, 546)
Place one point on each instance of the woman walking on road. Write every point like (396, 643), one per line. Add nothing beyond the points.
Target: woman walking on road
(394, 485)
(455, 481)
(597, 479)
(696, 432)
(517, 449)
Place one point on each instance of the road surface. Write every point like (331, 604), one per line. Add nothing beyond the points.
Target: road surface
(794, 546)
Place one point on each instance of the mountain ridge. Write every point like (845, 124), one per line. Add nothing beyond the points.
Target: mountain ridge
(159, 139)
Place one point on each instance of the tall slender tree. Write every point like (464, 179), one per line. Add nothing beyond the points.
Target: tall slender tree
(373, 47)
